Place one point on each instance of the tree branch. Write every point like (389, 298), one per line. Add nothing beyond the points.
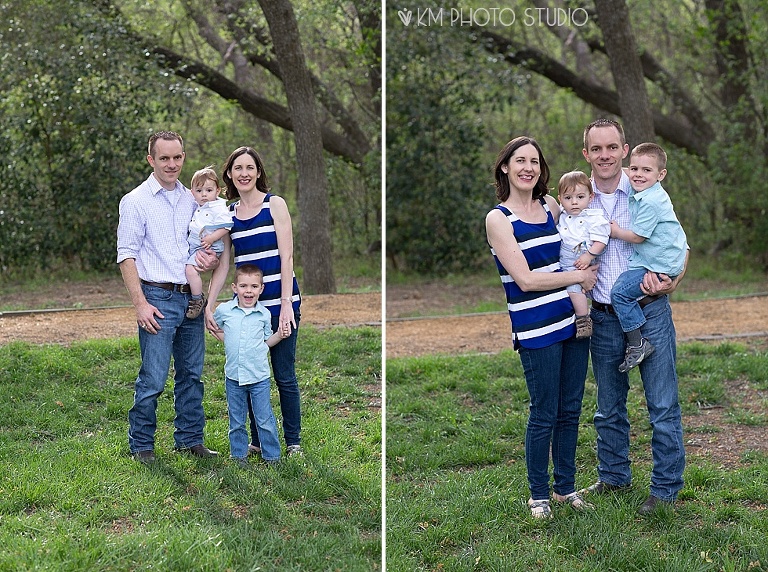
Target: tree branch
(676, 130)
(254, 104)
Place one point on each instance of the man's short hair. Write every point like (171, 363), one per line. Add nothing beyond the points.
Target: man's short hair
(604, 122)
(166, 135)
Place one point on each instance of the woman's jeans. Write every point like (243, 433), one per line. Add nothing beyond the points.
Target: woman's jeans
(183, 339)
(252, 397)
(660, 383)
(283, 359)
(555, 377)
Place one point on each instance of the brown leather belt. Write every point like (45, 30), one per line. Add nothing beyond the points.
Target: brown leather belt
(183, 288)
(608, 309)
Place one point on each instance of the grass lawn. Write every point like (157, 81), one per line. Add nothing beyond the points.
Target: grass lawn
(71, 498)
(456, 479)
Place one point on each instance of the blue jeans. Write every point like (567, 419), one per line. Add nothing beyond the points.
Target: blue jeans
(254, 397)
(283, 358)
(183, 339)
(661, 395)
(555, 377)
(624, 296)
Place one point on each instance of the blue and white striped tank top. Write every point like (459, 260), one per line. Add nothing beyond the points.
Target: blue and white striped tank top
(539, 319)
(255, 241)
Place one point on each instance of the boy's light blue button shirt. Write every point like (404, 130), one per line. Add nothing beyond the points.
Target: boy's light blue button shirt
(665, 244)
(245, 333)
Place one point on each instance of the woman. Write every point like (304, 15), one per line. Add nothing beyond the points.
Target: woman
(526, 246)
(262, 234)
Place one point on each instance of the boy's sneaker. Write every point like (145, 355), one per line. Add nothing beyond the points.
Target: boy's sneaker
(294, 450)
(636, 354)
(583, 327)
(195, 306)
(540, 508)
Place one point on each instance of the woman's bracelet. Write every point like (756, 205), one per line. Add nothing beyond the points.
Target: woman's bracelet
(287, 299)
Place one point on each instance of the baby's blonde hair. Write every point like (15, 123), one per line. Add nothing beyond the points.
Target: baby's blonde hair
(206, 174)
(569, 181)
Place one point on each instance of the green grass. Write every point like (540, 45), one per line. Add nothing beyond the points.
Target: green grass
(457, 486)
(71, 498)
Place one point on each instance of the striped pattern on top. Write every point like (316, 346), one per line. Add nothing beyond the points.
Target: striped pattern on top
(539, 319)
(255, 241)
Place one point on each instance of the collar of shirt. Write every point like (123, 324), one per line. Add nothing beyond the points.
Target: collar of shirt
(155, 187)
(647, 193)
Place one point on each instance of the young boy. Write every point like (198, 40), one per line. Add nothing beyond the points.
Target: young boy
(659, 245)
(211, 221)
(247, 327)
(584, 235)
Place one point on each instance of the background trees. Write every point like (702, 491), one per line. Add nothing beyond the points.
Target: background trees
(211, 71)
(694, 81)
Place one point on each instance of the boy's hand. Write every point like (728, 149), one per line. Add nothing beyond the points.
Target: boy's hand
(614, 228)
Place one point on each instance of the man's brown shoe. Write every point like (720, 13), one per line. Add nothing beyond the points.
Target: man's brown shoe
(653, 504)
(200, 451)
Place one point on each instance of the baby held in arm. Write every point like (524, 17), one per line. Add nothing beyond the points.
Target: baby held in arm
(584, 235)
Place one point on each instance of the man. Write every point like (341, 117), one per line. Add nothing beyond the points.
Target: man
(152, 251)
(604, 149)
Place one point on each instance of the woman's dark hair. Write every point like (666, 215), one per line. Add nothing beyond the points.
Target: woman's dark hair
(502, 179)
(262, 183)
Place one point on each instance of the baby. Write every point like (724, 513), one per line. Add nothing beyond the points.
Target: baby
(211, 221)
(584, 235)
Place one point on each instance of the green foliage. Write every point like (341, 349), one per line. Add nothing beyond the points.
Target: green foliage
(457, 485)
(72, 499)
(716, 195)
(77, 114)
(435, 199)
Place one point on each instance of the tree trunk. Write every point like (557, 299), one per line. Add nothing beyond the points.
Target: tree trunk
(613, 19)
(314, 218)
(732, 60)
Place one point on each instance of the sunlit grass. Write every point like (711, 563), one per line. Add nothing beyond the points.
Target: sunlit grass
(71, 498)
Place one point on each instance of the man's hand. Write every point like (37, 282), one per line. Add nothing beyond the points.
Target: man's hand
(206, 260)
(145, 318)
(657, 284)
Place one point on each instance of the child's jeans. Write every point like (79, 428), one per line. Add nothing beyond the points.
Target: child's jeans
(237, 404)
(625, 295)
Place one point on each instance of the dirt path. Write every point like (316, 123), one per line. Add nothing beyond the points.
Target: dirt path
(63, 327)
(489, 333)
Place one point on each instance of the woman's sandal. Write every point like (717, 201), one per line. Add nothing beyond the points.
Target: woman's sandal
(574, 499)
(540, 508)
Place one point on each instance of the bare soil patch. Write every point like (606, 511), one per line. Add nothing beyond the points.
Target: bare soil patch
(63, 327)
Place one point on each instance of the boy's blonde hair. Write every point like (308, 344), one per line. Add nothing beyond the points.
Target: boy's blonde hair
(569, 181)
(206, 174)
(651, 150)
